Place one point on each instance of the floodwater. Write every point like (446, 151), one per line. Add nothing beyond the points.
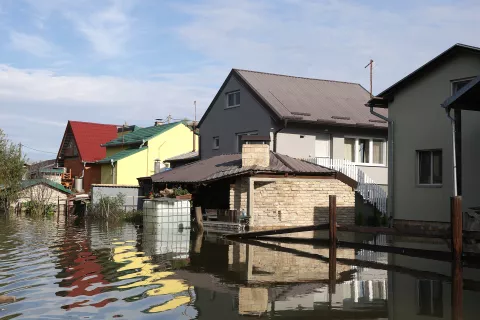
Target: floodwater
(86, 270)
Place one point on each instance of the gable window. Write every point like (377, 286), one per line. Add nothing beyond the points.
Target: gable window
(365, 150)
(429, 168)
(216, 142)
(233, 99)
(457, 85)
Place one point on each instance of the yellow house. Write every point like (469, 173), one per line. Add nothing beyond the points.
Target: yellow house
(141, 152)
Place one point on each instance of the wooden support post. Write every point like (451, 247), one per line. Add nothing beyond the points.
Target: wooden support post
(457, 227)
(332, 267)
(332, 217)
(199, 217)
(457, 290)
(198, 241)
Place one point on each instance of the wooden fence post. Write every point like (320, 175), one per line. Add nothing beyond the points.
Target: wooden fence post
(199, 217)
(332, 217)
(456, 227)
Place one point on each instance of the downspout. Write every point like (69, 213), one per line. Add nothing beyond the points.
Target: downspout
(452, 120)
(391, 141)
(83, 170)
(275, 135)
(113, 171)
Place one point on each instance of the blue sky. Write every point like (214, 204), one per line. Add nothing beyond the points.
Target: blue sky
(134, 61)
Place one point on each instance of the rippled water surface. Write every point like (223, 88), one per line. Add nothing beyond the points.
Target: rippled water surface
(86, 270)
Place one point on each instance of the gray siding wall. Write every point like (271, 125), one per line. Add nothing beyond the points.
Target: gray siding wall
(419, 124)
(226, 123)
(471, 159)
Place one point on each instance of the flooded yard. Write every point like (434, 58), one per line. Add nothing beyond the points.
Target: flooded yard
(85, 270)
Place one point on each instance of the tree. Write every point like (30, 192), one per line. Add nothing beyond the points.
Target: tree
(40, 199)
(12, 169)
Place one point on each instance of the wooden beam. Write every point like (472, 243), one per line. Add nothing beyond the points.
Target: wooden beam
(254, 234)
(393, 231)
(457, 227)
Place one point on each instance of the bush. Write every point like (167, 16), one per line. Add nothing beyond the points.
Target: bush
(108, 207)
(33, 207)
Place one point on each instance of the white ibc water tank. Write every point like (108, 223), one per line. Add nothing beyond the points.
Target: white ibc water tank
(166, 213)
(78, 184)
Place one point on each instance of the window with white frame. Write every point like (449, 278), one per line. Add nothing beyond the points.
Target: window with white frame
(429, 167)
(232, 99)
(216, 142)
(365, 150)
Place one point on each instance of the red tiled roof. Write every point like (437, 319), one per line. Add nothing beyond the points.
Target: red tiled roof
(89, 136)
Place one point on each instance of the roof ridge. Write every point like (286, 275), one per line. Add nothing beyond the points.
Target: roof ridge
(297, 77)
(88, 122)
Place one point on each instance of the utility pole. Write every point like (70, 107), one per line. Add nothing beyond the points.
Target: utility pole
(169, 118)
(371, 77)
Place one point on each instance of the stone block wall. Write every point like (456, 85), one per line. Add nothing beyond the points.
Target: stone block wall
(285, 202)
(239, 194)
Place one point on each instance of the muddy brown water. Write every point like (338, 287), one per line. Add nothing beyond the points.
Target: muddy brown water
(52, 269)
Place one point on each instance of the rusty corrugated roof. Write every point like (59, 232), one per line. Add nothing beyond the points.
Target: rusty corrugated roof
(313, 100)
(230, 165)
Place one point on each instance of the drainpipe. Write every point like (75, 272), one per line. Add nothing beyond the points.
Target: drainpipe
(391, 141)
(83, 170)
(113, 171)
(275, 135)
(452, 120)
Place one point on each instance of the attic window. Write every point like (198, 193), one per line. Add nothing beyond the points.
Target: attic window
(301, 137)
(232, 99)
(216, 143)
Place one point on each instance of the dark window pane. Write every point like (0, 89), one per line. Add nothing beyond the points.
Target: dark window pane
(237, 96)
(363, 150)
(231, 99)
(424, 167)
(460, 84)
(437, 166)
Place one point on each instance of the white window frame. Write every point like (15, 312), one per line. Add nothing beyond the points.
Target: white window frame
(236, 105)
(246, 133)
(434, 185)
(216, 143)
(370, 151)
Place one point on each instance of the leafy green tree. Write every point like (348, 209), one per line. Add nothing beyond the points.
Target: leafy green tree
(12, 170)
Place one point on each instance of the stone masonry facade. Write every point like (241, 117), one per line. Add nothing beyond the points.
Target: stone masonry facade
(285, 202)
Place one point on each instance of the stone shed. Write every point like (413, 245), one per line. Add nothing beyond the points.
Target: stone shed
(275, 190)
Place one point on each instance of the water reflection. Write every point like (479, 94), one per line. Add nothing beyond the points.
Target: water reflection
(58, 269)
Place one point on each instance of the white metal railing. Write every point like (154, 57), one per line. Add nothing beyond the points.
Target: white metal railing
(367, 188)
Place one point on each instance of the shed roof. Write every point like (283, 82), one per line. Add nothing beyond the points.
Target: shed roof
(230, 165)
(121, 155)
(140, 135)
(50, 183)
(184, 156)
(89, 137)
(310, 100)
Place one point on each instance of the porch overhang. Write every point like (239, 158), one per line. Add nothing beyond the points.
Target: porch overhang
(467, 98)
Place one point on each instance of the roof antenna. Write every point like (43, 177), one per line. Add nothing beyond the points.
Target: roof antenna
(371, 77)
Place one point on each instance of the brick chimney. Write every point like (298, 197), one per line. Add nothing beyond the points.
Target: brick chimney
(255, 151)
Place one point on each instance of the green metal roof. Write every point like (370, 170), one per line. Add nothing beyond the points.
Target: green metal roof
(33, 182)
(120, 155)
(140, 135)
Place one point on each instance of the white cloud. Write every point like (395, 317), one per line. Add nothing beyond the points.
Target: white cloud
(31, 44)
(327, 38)
(108, 30)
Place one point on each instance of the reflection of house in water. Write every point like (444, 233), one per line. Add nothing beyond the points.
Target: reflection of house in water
(276, 282)
(143, 270)
(428, 298)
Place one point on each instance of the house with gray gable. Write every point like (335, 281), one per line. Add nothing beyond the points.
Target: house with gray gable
(323, 121)
(422, 143)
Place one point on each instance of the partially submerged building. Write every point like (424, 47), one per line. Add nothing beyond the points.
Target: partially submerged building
(275, 190)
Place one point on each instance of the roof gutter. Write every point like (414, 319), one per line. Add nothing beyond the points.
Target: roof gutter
(391, 141)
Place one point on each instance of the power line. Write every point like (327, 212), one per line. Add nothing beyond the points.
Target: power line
(24, 146)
